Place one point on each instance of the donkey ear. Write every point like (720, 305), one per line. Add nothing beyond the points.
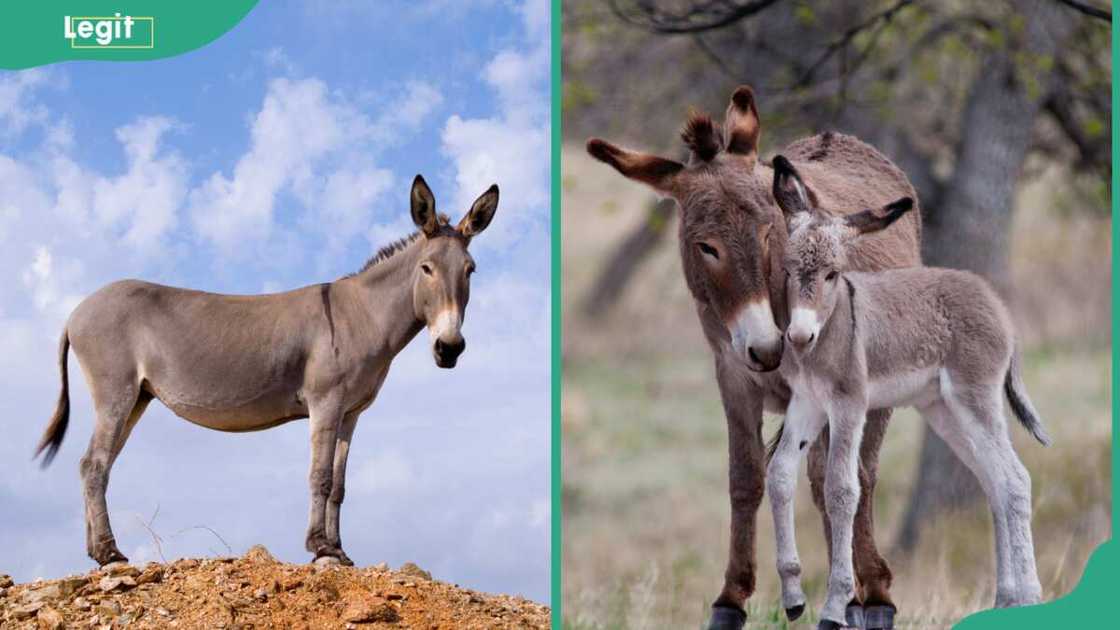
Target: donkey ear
(423, 207)
(873, 220)
(741, 124)
(789, 190)
(654, 171)
(482, 210)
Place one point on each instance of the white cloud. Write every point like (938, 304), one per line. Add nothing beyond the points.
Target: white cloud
(17, 108)
(513, 147)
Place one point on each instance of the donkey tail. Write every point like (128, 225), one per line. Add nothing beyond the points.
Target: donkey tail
(1020, 402)
(56, 430)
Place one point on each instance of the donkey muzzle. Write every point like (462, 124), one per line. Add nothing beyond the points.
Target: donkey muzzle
(447, 352)
(755, 338)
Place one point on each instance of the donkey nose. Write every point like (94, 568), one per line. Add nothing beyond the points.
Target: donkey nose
(766, 358)
(801, 338)
(447, 352)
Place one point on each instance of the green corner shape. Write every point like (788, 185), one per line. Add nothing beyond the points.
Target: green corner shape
(1081, 608)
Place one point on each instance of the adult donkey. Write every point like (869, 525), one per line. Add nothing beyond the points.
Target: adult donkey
(732, 238)
(246, 363)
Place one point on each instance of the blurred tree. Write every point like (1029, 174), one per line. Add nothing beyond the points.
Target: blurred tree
(958, 94)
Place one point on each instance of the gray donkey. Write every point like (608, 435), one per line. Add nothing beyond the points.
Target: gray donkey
(938, 340)
(252, 362)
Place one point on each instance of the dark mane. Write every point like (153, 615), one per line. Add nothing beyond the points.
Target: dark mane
(389, 250)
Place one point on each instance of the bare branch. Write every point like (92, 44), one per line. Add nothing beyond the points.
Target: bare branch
(884, 16)
(702, 16)
(229, 549)
(1088, 9)
(155, 537)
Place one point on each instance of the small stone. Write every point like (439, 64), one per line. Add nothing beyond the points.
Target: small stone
(3, 592)
(261, 594)
(108, 608)
(163, 612)
(393, 596)
(71, 585)
(410, 568)
(120, 568)
(5, 580)
(81, 603)
(291, 583)
(108, 584)
(381, 566)
(47, 593)
(370, 610)
(258, 553)
(153, 574)
(50, 619)
(26, 611)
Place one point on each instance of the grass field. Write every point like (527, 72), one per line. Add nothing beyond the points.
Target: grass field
(645, 506)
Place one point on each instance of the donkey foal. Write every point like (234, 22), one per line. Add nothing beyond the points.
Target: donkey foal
(938, 340)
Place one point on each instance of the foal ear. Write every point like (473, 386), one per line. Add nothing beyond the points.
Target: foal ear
(789, 191)
(873, 220)
(423, 207)
(651, 170)
(741, 124)
(482, 210)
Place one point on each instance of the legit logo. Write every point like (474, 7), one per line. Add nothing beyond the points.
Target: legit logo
(116, 31)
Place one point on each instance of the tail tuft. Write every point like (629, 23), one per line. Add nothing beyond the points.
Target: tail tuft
(56, 430)
(1020, 403)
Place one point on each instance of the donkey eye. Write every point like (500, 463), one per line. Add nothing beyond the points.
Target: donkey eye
(426, 268)
(831, 276)
(708, 250)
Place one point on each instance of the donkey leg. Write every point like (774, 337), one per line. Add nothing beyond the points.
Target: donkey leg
(338, 483)
(802, 424)
(954, 423)
(841, 500)
(873, 575)
(1010, 487)
(742, 403)
(118, 408)
(326, 416)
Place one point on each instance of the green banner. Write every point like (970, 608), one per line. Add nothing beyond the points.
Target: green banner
(39, 33)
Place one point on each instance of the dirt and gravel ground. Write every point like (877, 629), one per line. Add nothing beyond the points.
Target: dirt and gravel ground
(256, 591)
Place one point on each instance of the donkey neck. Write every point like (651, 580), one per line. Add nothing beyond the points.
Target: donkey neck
(384, 295)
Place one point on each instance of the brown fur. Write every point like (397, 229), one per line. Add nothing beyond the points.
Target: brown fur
(727, 205)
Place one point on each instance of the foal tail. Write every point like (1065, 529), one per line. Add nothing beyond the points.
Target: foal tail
(56, 430)
(1020, 403)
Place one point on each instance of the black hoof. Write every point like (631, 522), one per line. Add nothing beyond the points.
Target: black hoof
(880, 617)
(793, 612)
(727, 618)
(854, 617)
(825, 624)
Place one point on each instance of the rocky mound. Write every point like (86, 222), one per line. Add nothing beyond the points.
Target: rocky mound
(256, 591)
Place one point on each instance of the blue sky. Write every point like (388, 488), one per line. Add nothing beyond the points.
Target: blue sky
(280, 155)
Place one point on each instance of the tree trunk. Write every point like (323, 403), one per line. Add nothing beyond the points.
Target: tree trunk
(971, 226)
(634, 249)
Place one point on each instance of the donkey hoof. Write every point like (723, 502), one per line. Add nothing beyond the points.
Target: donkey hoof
(828, 624)
(727, 618)
(793, 612)
(326, 561)
(854, 617)
(110, 557)
(879, 617)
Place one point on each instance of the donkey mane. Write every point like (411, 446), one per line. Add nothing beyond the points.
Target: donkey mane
(702, 136)
(387, 251)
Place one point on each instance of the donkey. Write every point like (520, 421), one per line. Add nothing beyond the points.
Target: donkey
(732, 240)
(938, 340)
(247, 363)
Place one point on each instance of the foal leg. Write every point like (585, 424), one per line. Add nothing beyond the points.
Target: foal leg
(742, 403)
(326, 416)
(338, 483)
(803, 422)
(873, 602)
(1007, 483)
(118, 407)
(841, 489)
